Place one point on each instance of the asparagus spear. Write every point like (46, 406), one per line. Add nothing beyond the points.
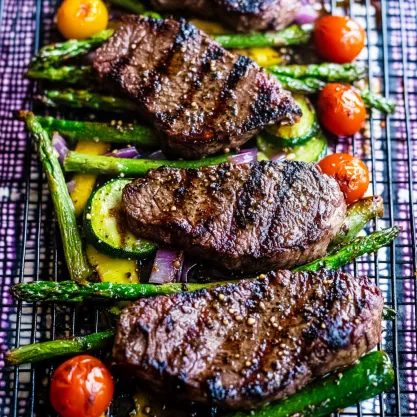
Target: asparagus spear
(326, 72)
(67, 74)
(71, 292)
(54, 54)
(372, 375)
(312, 85)
(55, 348)
(92, 164)
(292, 35)
(375, 101)
(358, 247)
(64, 209)
(358, 214)
(136, 7)
(87, 99)
(113, 132)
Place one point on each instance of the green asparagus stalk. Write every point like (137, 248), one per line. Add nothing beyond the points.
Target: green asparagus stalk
(113, 132)
(292, 35)
(136, 7)
(52, 55)
(92, 164)
(358, 215)
(55, 348)
(375, 101)
(87, 99)
(64, 209)
(358, 247)
(326, 72)
(71, 292)
(312, 85)
(372, 375)
(66, 74)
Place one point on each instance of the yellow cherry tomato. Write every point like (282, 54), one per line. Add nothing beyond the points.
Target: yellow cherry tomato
(80, 19)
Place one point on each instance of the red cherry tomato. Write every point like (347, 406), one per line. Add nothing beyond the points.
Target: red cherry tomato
(350, 172)
(341, 109)
(338, 39)
(81, 387)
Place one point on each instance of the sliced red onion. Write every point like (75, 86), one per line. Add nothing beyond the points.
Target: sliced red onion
(186, 268)
(278, 157)
(157, 155)
(129, 153)
(71, 186)
(60, 145)
(245, 156)
(167, 266)
(307, 14)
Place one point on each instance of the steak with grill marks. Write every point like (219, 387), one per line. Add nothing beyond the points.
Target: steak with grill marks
(243, 15)
(258, 217)
(199, 96)
(242, 345)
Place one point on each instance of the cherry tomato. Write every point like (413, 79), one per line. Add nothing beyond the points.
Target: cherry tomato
(338, 39)
(341, 109)
(81, 387)
(80, 19)
(350, 172)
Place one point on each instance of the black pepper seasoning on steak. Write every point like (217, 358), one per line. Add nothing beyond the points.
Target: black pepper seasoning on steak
(243, 15)
(257, 217)
(242, 345)
(200, 96)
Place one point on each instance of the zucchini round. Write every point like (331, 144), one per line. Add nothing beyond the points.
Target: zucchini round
(311, 151)
(105, 227)
(298, 133)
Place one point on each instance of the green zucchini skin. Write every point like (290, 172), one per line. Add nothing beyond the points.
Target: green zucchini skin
(368, 378)
(298, 133)
(106, 231)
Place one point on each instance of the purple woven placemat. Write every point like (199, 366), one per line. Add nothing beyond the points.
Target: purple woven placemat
(27, 252)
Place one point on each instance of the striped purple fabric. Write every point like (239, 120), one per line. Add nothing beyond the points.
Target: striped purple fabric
(388, 145)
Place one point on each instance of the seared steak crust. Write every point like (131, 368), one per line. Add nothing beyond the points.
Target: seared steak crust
(243, 15)
(201, 97)
(242, 345)
(258, 217)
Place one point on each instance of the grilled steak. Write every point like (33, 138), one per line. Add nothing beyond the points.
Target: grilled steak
(201, 97)
(241, 345)
(258, 217)
(243, 15)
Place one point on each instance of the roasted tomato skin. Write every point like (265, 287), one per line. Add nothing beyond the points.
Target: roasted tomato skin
(80, 19)
(338, 39)
(341, 109)
(350, 172)
(81, 387)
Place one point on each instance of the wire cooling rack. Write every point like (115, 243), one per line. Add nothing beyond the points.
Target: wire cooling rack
(28, 234)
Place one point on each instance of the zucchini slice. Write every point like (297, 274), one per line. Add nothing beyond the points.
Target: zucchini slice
(117, 271)
(105, 227)
(311, 151)
(298, 133)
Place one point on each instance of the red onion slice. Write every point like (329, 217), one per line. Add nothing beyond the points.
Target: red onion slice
(186, 268)
(71, 186)
(246, 156)
(307, 14)
(167, 266)
(129, 153)
(278, 157)
(60, 145)
(157, 155)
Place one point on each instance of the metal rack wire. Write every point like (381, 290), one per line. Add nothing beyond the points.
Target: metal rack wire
(29, 249)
